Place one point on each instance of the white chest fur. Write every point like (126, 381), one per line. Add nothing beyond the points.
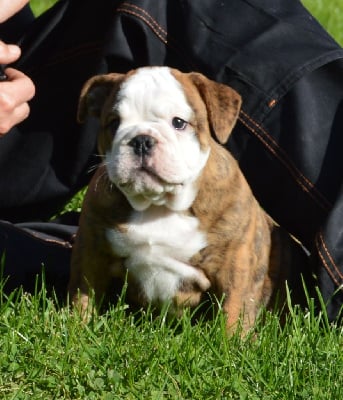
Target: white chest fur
(157, 247)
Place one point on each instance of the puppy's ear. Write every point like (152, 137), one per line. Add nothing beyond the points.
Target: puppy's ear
(94, 94)
(222, 103)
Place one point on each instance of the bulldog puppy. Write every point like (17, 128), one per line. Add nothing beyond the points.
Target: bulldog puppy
(169, 209)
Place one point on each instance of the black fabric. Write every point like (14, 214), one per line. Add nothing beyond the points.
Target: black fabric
(288, 70)
(30, 250)
(46, 159)
(13, 29)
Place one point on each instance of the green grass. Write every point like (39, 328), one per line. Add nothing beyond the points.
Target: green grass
(46, 352)
(330, 14)
(39, 6)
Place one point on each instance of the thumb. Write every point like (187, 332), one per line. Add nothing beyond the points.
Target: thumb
(9, 53)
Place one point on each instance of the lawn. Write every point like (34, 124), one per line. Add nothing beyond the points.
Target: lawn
(39, 6)
(47, 352)
(330, 14)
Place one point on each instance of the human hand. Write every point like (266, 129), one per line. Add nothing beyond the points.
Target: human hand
(15, 92)
(10, 7)
(18, 89)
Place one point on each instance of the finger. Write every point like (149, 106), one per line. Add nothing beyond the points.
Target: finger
(14, 95)
(18, 115)
(9, 53)
(10, 7)
(19, 86)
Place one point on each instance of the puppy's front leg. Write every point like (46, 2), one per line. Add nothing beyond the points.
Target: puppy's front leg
(90, 273)
(243, 288)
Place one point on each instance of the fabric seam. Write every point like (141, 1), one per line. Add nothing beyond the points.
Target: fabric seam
(262, 134)
(329, 255)
(334, 270)
(160, 32)
(148, 17)
(149, 21)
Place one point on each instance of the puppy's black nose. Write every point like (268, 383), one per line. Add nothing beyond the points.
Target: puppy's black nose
(142, 145)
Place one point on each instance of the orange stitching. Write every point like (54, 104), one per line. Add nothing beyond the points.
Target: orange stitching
(146, 21)
(145, 13)
(329, 255)
(325, 264)
(272, 103)
(323, 202)
(152, 23)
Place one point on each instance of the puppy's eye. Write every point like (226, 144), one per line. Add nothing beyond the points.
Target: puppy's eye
(179, 123)
(113, 125)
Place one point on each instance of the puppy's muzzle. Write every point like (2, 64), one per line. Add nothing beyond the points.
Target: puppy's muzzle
(143, 145)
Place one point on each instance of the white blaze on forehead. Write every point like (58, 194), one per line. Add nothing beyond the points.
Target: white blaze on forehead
(153, 93)
(146, 104)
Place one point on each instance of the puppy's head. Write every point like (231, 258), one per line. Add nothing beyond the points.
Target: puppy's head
(156, 126)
